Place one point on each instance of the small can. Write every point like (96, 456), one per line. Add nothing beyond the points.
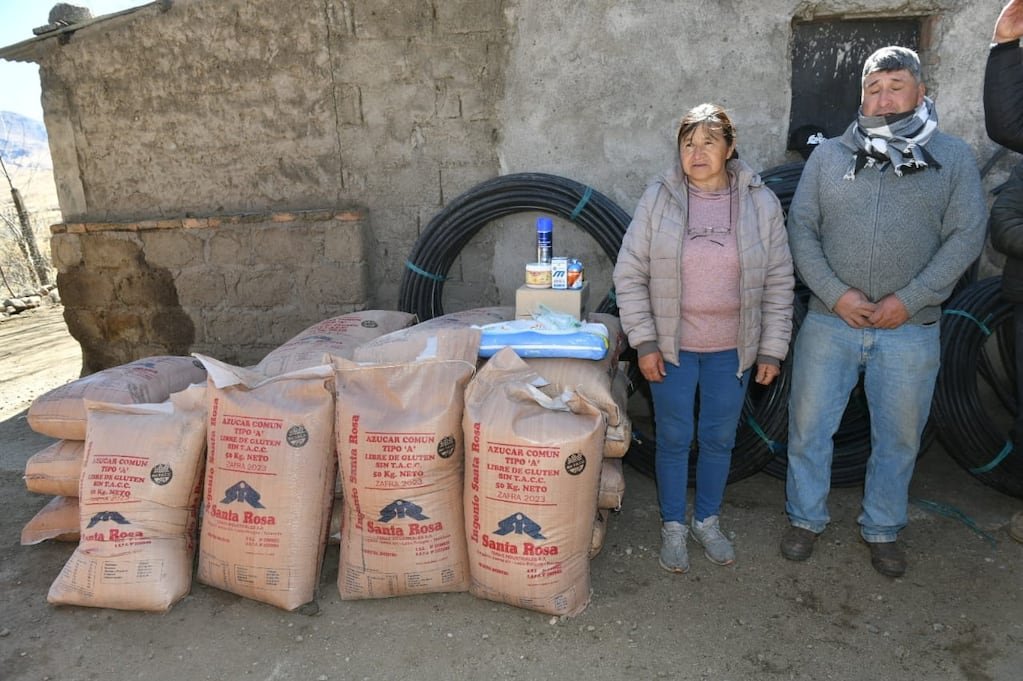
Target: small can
(575, 274)
(538, 275)
(559, 273)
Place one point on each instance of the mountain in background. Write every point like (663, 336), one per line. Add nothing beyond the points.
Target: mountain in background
(23, 141)
(26, 153)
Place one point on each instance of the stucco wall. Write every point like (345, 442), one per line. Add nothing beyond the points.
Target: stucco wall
(217, 106)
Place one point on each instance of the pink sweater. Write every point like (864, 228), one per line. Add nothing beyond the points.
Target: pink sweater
(710, 274)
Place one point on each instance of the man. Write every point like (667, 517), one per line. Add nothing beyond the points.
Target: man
(1003, 115)
(885, 220)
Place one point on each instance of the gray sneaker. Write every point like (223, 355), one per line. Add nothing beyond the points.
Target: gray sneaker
(715, 545)
(674, 557)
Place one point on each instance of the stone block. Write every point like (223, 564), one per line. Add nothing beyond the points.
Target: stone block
(83, 324)
(265, 287)
(205, 287)
(174, 327)
(290, 244)
(230, 245)
(122, 324)
(111, 250)
(344, 241)
(146, 287)
(349, 105)
(341, 285)
(469, 17)
(173, 249)
(377, 20)
(400, 105)
(66, 251)
(85, 289)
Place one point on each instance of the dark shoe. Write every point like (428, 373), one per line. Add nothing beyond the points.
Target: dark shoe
(888, 558)
(797, 544)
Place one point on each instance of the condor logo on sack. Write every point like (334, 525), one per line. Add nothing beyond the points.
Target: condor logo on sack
(114, 533)
(241, 491)
(519, 523)
(400, 510)
(107, 516)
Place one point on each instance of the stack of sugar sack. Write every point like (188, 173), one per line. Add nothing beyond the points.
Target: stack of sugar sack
(531, 481)
(605, 383)
(401, 454)
(138, 505)
(269, 483)
(337, 336)
(54, 471)
(61, 413)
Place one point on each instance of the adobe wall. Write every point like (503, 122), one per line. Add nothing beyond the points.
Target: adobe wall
(232, 287)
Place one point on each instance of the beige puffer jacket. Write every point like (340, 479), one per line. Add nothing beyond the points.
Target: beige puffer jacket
(648, 283)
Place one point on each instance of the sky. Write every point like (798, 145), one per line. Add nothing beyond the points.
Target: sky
(19, 82)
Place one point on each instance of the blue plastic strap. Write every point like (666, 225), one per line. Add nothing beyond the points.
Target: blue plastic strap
(582, 204)
(982, 324)
(990, 465)
(424, 273)
(954, 513)
(772, 446)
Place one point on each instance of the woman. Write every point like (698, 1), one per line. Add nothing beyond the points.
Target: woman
(704, 286)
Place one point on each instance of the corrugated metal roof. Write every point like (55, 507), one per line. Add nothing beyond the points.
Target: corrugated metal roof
(29, 50)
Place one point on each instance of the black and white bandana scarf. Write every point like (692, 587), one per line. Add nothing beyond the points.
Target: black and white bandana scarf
(898, 140)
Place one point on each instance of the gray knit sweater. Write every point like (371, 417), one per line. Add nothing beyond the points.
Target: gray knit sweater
(913, 236)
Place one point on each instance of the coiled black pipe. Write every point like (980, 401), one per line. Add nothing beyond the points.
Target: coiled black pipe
(974, 400)
(451, 229)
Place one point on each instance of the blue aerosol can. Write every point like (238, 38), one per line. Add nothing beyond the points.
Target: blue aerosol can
(544, 239)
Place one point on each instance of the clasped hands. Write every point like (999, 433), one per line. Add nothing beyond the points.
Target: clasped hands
(859, 312)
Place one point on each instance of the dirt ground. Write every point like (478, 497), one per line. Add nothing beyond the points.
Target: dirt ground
(956, 615)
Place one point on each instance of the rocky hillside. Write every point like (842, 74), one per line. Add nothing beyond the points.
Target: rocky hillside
(23, 141)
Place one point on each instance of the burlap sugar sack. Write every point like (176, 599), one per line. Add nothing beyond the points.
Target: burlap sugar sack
(420, 343)
(57, 520)
(599, 532)
(618, 438)
(612, 484)
(60, 413)
(137, 505)
(338, 336)
(401, 453)
(477, 316)
(270, 470)
(56, 469)
(532, 472)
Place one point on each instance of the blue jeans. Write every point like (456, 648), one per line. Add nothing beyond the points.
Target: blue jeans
(721, 396)
(900, 367)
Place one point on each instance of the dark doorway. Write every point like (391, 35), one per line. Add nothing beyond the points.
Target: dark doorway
(827, 57)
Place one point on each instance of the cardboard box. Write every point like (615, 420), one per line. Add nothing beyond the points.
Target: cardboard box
(569, 301)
